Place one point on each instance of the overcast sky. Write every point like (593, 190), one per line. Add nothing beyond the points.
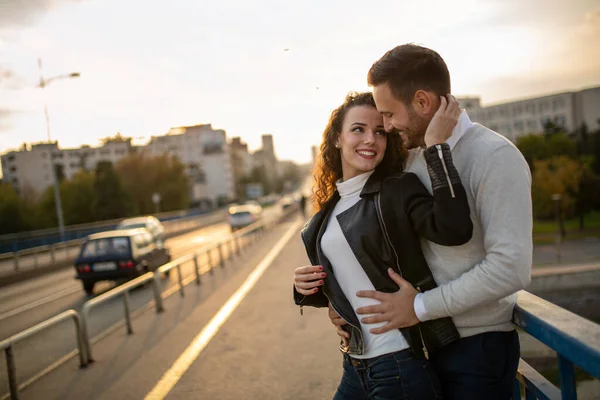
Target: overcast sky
(148, 65)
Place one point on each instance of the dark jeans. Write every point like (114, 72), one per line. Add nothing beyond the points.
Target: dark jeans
(478, 367)
(395, 376)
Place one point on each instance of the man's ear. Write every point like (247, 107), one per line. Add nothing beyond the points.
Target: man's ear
(425, 103)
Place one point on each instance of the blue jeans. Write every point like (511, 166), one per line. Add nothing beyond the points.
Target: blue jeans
(480, 367)
(395, 376)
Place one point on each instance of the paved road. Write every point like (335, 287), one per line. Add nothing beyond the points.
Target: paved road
(265, 350)
(66, 255)
(572, 251)
(24, 304)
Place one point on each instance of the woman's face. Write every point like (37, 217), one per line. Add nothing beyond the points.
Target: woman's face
(362, 142)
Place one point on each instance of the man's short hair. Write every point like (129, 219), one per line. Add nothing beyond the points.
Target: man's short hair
(409, 68)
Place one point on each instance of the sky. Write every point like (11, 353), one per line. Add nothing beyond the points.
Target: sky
(256, 67)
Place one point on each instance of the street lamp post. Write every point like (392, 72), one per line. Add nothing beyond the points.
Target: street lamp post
(559, 228)
(43, 83)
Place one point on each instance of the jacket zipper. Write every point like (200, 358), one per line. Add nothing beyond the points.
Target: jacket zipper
(441, 155)
(313, 263)
(362, 342)
(425, 351)
(385, 232)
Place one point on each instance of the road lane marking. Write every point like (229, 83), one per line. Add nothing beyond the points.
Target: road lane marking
(189, 355)
(43, 300)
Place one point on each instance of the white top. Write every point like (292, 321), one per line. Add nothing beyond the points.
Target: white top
(351, 276)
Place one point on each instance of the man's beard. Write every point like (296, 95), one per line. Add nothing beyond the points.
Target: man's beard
(414, 135)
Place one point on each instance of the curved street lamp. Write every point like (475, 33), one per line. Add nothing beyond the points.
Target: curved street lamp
(43, 83)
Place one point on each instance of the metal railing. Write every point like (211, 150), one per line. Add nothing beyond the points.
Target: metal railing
(575, 340)
(7, 345)
(65, 252)
(250, 234)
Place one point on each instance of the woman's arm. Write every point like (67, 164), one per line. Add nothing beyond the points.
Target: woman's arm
(307, 281)
(443, 218)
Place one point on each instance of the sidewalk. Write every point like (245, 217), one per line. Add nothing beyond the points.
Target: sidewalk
(266, 350)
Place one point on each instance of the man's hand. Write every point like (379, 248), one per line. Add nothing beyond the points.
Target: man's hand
(397, 309)
(444, 120)
(339, 322)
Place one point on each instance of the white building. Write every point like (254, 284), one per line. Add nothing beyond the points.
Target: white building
(29, 169)
(205, 153)
(203, 150)
(569, 110)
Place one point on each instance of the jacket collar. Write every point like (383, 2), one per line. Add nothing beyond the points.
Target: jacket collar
(373, 185)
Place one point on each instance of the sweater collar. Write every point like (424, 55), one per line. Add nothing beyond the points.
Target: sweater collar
(353, 186)
(463, 125)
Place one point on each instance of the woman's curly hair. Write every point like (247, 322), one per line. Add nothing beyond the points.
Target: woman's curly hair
(328, 167)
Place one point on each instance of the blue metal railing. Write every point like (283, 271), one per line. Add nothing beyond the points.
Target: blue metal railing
(575, 340)
(26, 240)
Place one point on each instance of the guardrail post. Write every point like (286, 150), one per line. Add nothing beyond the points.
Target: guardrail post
(180, 280)
(209, 260)
(16, 258)
(197, 269)
(231, 251)
(568, 387)
(52, 255)
(85, 334)
(12, 373)
(127, 313)
(80, 345)
(157, 292)
(236, 241)
(221, 258)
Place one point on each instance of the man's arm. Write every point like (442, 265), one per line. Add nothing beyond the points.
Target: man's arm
(503, 205)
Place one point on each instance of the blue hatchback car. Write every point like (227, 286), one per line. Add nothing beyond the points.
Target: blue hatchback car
(118, 255)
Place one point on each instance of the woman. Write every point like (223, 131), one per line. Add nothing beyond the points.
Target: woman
(370, 217)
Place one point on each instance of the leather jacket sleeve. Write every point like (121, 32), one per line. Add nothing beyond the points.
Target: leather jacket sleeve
(443, 218)
(314, 300)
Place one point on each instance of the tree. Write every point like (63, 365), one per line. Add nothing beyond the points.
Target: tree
(143, 175)
(111, 199)
(78, 199)
(556, 175)
(533, 148)
(117, 138)
(11, 216)
(561, 145)
(588, 198)
(258, 175)
(537, 147)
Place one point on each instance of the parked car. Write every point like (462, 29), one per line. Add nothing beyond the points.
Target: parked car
(287, 202)
(117, 255)
(242, 216)
(152, 224)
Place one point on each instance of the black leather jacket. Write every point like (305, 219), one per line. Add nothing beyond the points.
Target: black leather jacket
(384, 230)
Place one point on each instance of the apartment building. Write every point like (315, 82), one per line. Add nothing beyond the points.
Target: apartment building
(207, 157)
(29, 169)
(569, 110)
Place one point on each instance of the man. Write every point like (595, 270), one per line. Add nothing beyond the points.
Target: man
(477, 281)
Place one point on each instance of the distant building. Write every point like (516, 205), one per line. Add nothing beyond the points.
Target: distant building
(205, 153)
(266, 158)
(29, 169)
(241, 163)
(569, 110)
(203, 150)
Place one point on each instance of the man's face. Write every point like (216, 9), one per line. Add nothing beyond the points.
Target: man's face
(398, 116)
